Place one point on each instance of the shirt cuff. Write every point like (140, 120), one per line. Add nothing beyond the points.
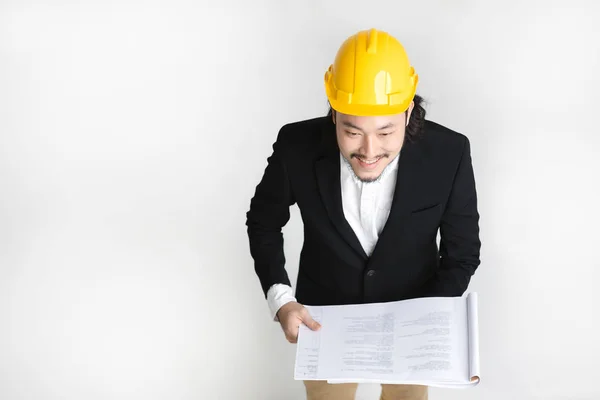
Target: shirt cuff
(277, 296)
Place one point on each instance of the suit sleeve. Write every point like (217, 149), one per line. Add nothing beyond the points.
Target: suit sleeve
(459, 234)
(269, 212)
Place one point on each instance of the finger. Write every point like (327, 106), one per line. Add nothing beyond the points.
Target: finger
(310, 322)
(291, 337)
(291, 330)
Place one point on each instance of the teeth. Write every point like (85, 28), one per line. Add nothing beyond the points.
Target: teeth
(370, 162)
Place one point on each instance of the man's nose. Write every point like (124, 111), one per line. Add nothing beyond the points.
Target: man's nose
(368, 146)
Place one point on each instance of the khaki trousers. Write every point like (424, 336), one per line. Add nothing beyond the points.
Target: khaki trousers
(321, 390)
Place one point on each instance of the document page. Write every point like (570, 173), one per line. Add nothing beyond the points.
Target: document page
(419, 340)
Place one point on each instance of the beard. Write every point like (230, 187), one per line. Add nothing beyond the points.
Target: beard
(367, 180)
(362, 158)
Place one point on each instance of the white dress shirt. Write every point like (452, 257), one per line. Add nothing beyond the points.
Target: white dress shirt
(366, 207)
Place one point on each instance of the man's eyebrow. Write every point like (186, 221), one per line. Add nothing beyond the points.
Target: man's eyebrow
(351, 125)
(387, 126)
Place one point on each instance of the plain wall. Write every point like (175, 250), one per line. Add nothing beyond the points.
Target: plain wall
(132, 135)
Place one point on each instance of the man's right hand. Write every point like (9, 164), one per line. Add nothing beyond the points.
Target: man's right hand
(290, 316)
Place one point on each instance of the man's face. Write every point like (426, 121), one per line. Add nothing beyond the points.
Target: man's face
(370, 143)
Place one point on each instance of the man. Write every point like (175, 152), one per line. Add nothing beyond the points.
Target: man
(374, 181)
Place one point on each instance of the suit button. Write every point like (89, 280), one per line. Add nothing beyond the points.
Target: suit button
(370, 272)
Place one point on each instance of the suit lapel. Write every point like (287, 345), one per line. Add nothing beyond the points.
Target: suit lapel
(410, 171)
(327, 168)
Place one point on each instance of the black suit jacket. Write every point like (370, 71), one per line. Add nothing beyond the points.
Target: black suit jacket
(435, 189)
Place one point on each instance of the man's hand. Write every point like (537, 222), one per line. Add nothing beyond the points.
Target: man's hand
(290, 316)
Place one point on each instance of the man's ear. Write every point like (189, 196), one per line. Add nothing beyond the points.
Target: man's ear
(409, 112)
(333, 116)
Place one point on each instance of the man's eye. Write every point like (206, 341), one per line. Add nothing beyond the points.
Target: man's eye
(352, 133)
(385, 133)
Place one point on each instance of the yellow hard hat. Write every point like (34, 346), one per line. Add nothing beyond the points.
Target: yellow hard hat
(371, 75)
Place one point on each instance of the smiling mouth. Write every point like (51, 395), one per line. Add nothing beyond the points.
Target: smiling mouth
(368, 164)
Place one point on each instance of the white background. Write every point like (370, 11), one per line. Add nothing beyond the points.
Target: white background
(132, 135)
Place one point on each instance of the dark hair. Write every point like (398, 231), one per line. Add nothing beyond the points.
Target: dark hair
(417, 119)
